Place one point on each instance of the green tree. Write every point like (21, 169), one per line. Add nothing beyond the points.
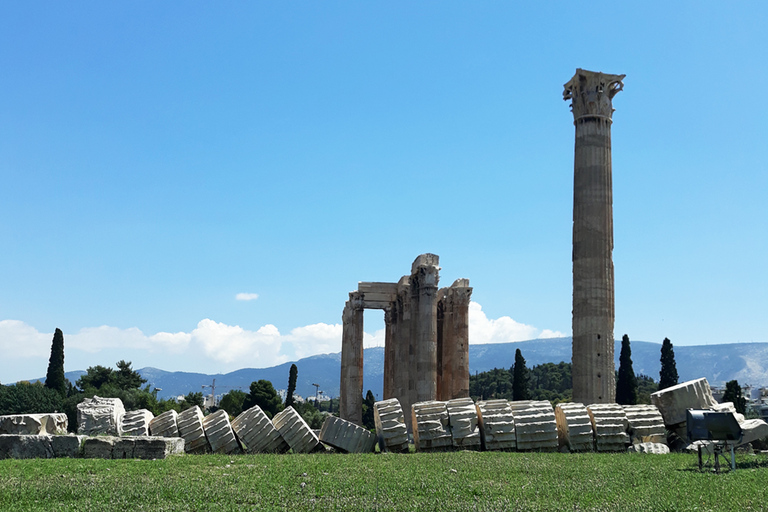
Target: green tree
(263, 394)
(126, 378)
(668, 374)
(368, 403)
(733, 394)
(193, 399)
(95, 378)
(24, 398)
(54, 378)
(626, 384)
(233, 402)
(293, 374)
(520, 379)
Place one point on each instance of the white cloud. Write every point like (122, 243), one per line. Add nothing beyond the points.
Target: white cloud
(211, 346)
(246, 296)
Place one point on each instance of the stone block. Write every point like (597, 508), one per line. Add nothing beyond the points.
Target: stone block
(70, 445)
(34, 424)
(24, 446)
(99, 447)
(430, 426)
(497, 425)
(609, 423)
(346, 436)
(656, 448)
(535, 425)
(96, 416)
(136, 423)
(574, 427)
(190, 424)
(134, 447)
(645, 424)
(391, 431)
(220, 434)
(673, 402)
(165, 424)
(257, 433)
(463, 423)
(295, 431)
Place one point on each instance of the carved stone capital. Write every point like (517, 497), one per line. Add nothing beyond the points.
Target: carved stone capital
(427, 277)
(591, 93)
(357, 300)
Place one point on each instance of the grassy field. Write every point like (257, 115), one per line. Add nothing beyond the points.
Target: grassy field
(417, 481)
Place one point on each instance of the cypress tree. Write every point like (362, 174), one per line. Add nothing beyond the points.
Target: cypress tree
(520, 379)
(626, 384)
(54, 378)
(668, 373)
(293, 374)
(733, 394)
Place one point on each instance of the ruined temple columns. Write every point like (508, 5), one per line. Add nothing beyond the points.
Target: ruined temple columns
(593, 290)
(351, 391)
(424, 279)
(453, 341)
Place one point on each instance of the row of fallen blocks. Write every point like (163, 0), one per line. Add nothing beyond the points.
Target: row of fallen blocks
(522, 425)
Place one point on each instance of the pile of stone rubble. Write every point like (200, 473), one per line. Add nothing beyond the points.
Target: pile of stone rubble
(106, 430)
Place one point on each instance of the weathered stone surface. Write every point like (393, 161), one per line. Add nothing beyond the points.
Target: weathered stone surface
(190, 424)
(219, 433)
(165, 425)
(591, 96)
(391, 430)
(109, 447)
(34, 424)
(295, 431)
(136, 423)
(256, 432)
(609, 422)
(23, 446)
(535, 425)
(346, 436)
(673, 402)
(430, 426)
(574, 427)
(497, 425)
(98, 415)
(463, 423)
(453, 340)
(67, 445)
(645, 424)
(657, 448)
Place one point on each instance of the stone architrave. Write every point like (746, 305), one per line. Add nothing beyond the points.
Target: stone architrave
(535, 425)
(497, 425)
(257, 433)
(136, 423)
(574, 427)
(424, 281)
(591, 96)
(190, 424)
(346, 436)
(431, 430)
(351, 395)
(219, 432)
(295, 431)
(674, 401)
(391, 430)
(34, 424)
(645, 424)
(463, 423)
(655, 448)
(609, 422)
(96, 416)
(165, 424)
(453, 341)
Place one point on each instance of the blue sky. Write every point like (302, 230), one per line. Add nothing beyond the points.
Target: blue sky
(158, 160)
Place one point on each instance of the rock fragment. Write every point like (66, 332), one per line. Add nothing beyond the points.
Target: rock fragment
(98, 415)
(656, 448)
(346, 436)
(219, 433)
(295, 431)
(257, 433)
(645, 424)
(430, 426)
(190, 424)
(463, 423)
(34, 424)
(609, 423)
(497, 425)
(391, 431)
(673, 402)
(165, 424)
(136, 423)
(574, 427)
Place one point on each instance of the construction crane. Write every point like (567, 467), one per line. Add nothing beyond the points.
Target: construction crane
(212, 385)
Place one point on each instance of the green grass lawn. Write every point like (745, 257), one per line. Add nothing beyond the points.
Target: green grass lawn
(416, 481)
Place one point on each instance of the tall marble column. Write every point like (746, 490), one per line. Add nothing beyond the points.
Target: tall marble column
(424, 279)
(453, 341)
(390, 321)
(351, 392)
(593, 290)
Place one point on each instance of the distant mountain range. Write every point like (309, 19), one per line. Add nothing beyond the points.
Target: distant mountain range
(747, 362)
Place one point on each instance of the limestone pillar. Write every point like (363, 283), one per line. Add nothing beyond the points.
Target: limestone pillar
(403, 365)
(351, 392)
(424, 279)
(390, 317)
(453, 341)
(593, 293)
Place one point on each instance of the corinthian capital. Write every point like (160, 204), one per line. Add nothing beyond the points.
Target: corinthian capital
(591, 93)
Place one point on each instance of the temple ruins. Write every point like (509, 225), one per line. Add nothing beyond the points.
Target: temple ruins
(593, 296)
(426, 346)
